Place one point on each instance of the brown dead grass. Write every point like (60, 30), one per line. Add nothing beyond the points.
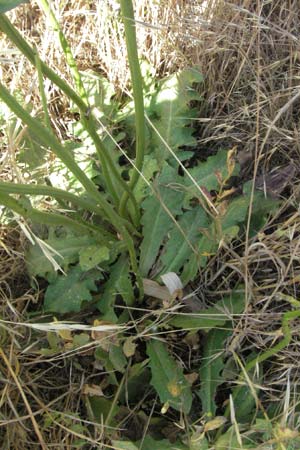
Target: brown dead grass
(249, 52)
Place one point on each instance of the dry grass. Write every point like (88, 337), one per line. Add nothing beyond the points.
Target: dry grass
(249, 52)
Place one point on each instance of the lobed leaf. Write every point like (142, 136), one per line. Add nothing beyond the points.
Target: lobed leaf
(119, 283)
(92, 255)
(68, 292)
(65, 250)
(209, 173)
(171, 112)
(178, 249)
(155, 220)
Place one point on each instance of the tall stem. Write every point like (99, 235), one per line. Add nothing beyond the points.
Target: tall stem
(47, 218)
(44, 4)
(137, 86)
(59, 195)
(88, 121)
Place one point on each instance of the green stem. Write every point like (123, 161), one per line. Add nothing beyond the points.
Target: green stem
(59, 195)
(42, 92)
(49, 140)
(106, 161)
(115, 400)
(44, 4)
(106, 173)
(137, 86)
(46, 218)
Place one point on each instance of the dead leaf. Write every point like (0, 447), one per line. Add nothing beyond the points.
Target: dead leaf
(129, 347)
(92, 389)
(153, 289)
(165, 408)
(192, 340)
(231, 157)
(174, 285)
(227, 193)
(215, 423)
(105, 338)
(218, 175)
(66, 335)
(287, 433)
(191, 377)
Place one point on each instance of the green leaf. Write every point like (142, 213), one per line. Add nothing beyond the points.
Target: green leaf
(199, 442)
(91, 256)
(119, 283)
(215, 316)
(208, 173)
(210, 369)
(100, 93)
(6, 5)
(68, 292)
(236, 212)
(83, 154)
(117, 358)
(243, 399)
(178, 248)
(156, 221)
(171, 112)
(262, 207)
(33, 155)
(224, 228)
(227, 441)
(100, 407)
(207, 246)
(168, 379)
(137, 382)
(64, 250)
(150, 444)
(149, 168)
